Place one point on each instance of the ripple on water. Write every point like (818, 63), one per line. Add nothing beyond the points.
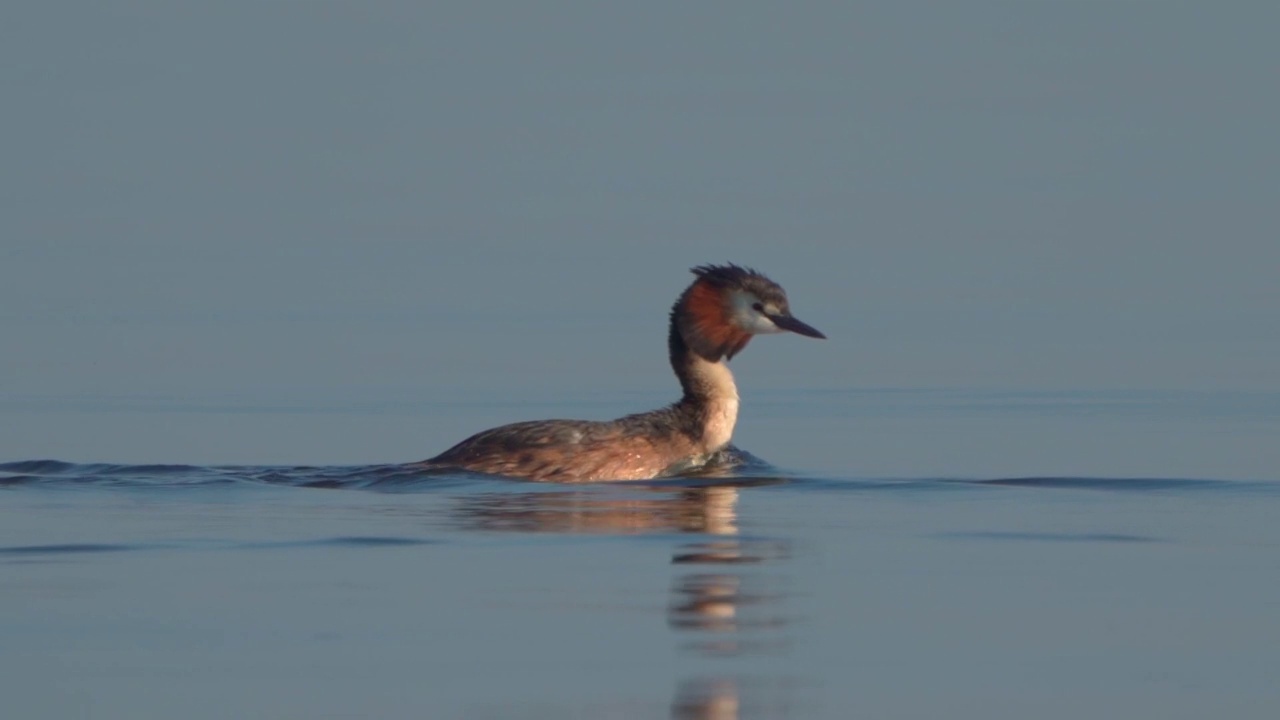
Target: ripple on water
(1057, 537)
(66, 549)
(415, 478)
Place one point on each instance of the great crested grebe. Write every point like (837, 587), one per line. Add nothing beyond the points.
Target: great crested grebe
(710, 323)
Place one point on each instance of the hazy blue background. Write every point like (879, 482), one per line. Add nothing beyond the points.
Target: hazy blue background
(330, 232)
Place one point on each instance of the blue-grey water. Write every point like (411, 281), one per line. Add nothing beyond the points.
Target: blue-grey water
(380, 591)
(253, 255)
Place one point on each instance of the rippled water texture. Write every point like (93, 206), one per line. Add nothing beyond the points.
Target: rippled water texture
(170, 590)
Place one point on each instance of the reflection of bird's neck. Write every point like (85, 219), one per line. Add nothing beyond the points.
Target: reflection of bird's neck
(706, 699)
(718, 510)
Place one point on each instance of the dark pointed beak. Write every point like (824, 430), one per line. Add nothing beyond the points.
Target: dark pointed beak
(786, 322)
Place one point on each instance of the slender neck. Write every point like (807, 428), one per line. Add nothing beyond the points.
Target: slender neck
(701, 378)
(710, 395)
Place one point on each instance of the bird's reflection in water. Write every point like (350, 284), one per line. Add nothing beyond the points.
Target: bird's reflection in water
(727, 603)
(706, 699)
(724, 600)
(733, 609)
(617, 509)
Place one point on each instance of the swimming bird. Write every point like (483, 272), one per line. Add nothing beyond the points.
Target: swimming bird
(711, 322)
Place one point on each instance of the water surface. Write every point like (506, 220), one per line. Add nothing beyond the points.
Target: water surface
(379, 591)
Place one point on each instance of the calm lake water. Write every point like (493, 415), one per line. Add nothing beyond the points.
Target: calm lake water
(149, 591)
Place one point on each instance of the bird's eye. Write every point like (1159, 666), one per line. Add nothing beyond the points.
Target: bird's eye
(758, 307)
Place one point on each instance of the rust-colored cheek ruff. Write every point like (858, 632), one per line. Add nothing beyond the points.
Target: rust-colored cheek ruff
(706, 323)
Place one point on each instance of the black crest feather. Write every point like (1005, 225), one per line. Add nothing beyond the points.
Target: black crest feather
(728, 274)
(742, 278)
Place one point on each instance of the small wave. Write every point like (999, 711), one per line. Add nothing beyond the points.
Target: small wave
(56, 473)
(65, 549)
(1049, 537)
(38, 467)
(415, 477)
(44, 553)
(1099, 484)
(1111, 484)
(358, 541)
(59, 473)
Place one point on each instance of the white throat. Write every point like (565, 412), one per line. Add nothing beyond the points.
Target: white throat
(715, 386)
